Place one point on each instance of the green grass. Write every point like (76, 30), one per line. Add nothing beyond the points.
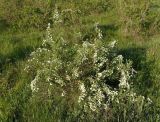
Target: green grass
(14, 49)
(16, 45)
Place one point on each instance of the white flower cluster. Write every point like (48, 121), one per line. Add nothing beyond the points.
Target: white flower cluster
(96, 99)
(98, 31)
(83, 92)
(42, 60)
(99, 95)
(93, 97)
(33, 84)
(123, 80)
(34, 88)
(112, 44)
(49, 39)
(56, 16)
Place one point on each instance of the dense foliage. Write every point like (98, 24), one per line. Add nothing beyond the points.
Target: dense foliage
(90, 75)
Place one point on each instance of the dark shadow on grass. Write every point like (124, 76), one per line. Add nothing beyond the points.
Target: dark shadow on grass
(143, 79)
(108, 30)
(137, 55)
(108, 27)
(3, 25)
(15, 40)
(19, 53)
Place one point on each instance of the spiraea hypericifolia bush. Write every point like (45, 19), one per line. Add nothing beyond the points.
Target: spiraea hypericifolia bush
(90, 75)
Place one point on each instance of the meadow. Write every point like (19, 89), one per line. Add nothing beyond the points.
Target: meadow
(85, 60)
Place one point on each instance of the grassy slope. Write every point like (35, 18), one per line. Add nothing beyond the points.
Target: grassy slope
(15, 47)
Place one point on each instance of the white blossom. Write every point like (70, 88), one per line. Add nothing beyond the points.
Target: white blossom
(33, 85)
(149, 100)
(83, 92)
(60, 82)
(56, 16)
(112, 44)
(63, 94)
(75, 73)
(123, 80)
(99, 32)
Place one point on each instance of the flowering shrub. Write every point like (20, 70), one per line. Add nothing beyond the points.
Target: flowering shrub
(89, 74)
